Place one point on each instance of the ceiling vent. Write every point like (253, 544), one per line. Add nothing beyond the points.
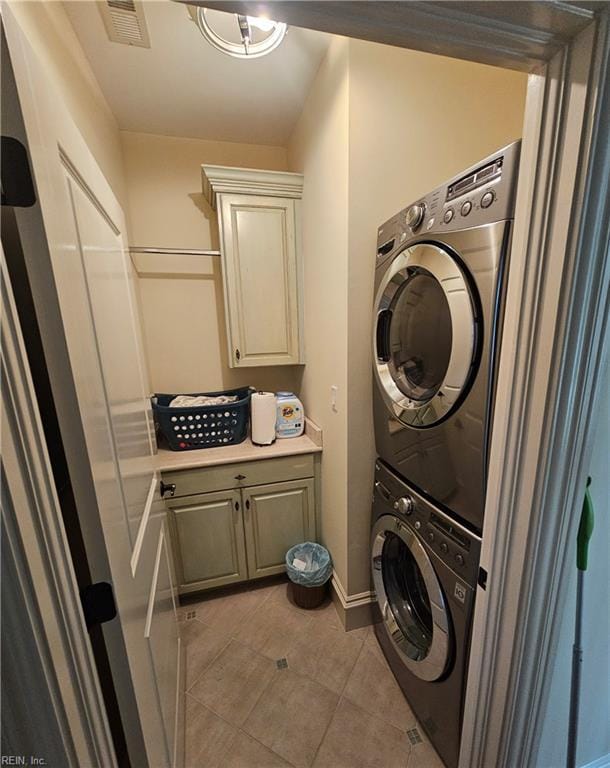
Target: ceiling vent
(125, 23)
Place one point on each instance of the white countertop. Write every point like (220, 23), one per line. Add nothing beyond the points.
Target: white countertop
(309, 442)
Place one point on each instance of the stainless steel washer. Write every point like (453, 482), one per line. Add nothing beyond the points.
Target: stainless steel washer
(439, 297)
(424, 567)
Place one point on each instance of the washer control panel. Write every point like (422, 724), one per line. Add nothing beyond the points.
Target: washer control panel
(458, 547)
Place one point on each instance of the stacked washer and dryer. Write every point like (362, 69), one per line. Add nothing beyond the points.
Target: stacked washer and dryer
(439, 296)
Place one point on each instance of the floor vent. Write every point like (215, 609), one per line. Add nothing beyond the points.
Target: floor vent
(414, 736)
(125, 23)
(282, 663)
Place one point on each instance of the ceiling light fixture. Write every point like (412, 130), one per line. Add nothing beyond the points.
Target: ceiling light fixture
(249, 47)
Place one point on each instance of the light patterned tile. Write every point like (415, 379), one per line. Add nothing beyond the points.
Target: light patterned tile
(227, 611)
(246, 752)
(203, 644)
(424, 756)
(326, 654)
(233, 683)
(355, 739)
(291, 717)
(272, 629)
(372, 686)
(208, 738)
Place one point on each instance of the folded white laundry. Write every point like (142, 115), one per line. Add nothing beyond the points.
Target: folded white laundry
(190, 401)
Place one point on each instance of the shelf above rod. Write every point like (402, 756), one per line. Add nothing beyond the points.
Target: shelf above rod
(174, 251)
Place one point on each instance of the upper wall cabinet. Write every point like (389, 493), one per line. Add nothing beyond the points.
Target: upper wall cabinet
(258, 217)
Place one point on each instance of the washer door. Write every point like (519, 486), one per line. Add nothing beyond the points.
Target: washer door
(410, 599)
(425, 339)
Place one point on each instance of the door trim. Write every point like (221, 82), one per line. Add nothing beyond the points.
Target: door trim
(44, 554)
(554, 330)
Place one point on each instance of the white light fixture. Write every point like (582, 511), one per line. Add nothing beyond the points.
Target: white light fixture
(249, 46)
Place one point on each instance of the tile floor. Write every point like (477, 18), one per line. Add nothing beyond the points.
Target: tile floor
(270, 685)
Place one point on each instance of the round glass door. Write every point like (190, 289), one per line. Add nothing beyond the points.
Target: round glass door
(407, 596)
(410, 599)
(425, 335)
(420, 337)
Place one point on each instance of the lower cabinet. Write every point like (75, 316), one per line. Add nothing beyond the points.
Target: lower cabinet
(209, 536)
(276, 517)
(239, 534)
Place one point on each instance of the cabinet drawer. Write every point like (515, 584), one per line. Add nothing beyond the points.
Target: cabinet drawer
(224, 476)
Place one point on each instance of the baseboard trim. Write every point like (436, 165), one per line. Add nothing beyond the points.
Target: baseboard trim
(354, 610)
(601, 762)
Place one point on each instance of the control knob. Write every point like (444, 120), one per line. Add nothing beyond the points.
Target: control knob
(404, 505)
(415, 215)
(488, 199)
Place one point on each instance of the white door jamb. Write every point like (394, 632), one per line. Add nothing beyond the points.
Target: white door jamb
(552, 349)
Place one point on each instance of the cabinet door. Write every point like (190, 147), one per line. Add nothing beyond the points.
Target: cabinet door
(276, 517)
(210, 540)
(261, 275)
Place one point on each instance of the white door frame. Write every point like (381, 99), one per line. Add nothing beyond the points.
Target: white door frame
(47, 583)
(554, 331)
(552, 345)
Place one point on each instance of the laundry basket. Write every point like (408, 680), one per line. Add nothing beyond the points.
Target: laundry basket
(203, 426)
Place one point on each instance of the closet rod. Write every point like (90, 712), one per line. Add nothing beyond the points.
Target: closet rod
(175, 251)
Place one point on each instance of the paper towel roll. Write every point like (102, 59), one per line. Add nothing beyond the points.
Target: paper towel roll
(263, 405)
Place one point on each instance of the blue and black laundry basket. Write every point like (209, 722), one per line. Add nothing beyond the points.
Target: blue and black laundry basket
(203, 426)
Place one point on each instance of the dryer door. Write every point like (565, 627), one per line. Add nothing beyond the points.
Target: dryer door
(426, 335)
(410, 598)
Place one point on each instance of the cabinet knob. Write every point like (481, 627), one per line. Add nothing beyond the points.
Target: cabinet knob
(237, 354)
(240, 477)
(247, 503)
(167, 488)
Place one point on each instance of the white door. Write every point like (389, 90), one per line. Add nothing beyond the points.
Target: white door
(89, 279)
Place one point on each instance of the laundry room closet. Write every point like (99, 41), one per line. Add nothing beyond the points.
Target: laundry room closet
(246, 198)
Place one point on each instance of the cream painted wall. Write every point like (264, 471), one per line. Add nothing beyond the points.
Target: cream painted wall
(47, 27)
(415, 120)
(181, 297)
(319, 149)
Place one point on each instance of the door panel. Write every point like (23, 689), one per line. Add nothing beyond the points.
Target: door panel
(83, 298)
(164, 641)
(276, 517)
(109, 295)
(210, 539)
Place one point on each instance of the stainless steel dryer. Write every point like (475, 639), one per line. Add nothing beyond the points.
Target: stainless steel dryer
(425, 568)
(439, 289)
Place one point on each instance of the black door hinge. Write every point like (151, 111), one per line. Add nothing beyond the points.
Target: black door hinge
(98, 603)
(17, 183)
(482, 580)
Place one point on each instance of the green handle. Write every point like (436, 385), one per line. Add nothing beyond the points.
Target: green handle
(585, 531)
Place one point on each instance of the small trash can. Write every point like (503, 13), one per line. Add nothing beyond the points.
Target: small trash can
(309, 568)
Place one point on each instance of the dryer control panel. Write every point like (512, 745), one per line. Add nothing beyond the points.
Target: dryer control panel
(482, 194)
